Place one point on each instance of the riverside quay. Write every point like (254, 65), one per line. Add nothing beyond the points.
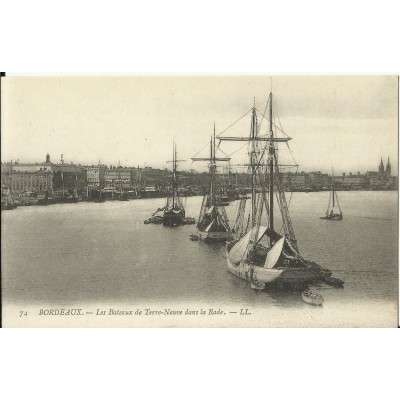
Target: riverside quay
(68, 179)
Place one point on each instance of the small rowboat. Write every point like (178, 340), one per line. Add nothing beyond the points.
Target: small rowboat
(257, 285)
(333, 217)
(313, 298)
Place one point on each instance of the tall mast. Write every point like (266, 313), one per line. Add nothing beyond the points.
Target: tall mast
(174, 174)
(211, 171)
(271, 167)
(333, 188)
(213, 161)
(253, 166)
(11, 168)
(62, 181)
(213, 157)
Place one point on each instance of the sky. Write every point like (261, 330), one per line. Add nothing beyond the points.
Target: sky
(344, 122)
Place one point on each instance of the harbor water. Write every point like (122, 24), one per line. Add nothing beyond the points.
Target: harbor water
(102, 253)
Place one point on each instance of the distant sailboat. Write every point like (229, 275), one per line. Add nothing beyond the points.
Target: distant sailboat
(213, 224)
(7, 200)
(333, 213)
(174, 210)
(73, 198)
(98, 197)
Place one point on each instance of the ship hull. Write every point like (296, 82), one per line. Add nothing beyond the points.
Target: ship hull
(213, 236)
(71, 200)
(7, 207)
(289, 276)
(172, 219)
(243, 270)
(335, 217)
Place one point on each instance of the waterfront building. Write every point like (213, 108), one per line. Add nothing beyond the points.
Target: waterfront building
(296, 181)
(27, 177)
(318, 180)
(93, 177)
(118, 178)
(21, 182)
(68, 178)
(353, 182)
(32, 167)
(135, 176)
(155, 177)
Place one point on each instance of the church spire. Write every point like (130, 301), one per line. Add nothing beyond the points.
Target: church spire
(381, 167)
(388, 167)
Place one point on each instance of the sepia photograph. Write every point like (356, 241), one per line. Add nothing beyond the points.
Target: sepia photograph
(199, 201)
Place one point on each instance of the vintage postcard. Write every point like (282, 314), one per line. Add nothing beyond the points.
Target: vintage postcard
(199, 201)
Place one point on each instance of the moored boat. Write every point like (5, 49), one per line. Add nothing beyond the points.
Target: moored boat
(7, 201)
(173, 213)
(257, 252)
(98, 196)
(174, 210)
(6, 206)
(7, 198)
(213, 224)
(333, 213)
(312, 297)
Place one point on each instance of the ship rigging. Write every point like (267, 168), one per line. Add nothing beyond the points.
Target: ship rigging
(213, 224)
(258, 253)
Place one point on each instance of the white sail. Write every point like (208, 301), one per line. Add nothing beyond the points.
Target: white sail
(209, 227)
(274, 253)
(237, 252)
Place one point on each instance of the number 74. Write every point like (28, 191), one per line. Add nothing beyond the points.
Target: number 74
(23, 313)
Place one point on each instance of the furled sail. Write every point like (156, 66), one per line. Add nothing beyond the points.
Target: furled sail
(238, 250)
(274, 253)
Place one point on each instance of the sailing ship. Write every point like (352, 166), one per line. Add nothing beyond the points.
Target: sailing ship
(174, 211)
(213, 224)
(7, 200)
(333, 213)
(98, 197)
(258, 253)
(72, 198)
(66, 196)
